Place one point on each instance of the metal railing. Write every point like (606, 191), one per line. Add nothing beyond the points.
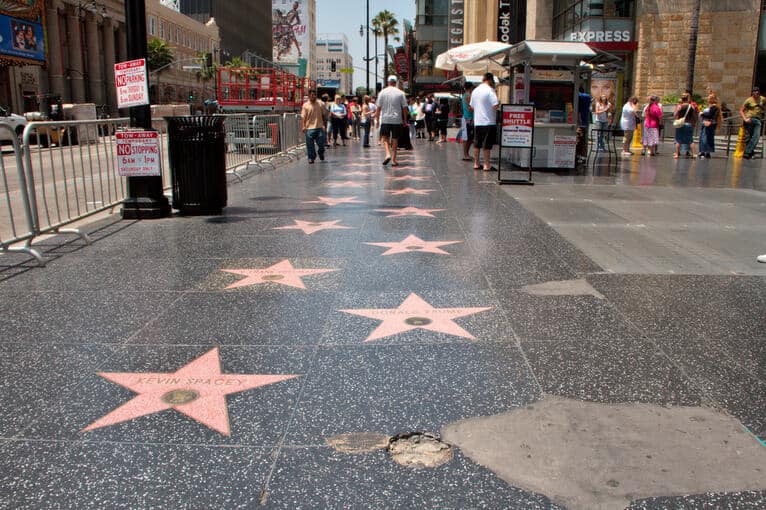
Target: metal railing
(17, 220)
(66, 171)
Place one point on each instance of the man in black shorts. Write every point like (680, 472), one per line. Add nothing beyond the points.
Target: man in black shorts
(484, 105)
(392, 116)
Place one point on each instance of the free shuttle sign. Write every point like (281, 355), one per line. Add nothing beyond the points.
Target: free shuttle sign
(131, 82)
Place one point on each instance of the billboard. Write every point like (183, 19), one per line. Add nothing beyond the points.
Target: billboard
(290, 30)
(330, 84)
(21, 39)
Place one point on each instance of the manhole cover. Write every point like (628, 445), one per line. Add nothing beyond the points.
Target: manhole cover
(178, 397)
(358, 442)
(414, 247)
(272, 277)
(419, 450)
(417, 321)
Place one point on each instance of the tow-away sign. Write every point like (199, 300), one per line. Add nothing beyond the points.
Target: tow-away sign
(131, 82)
(138, 153)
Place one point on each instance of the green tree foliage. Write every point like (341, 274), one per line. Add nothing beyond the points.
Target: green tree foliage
(159, 54)
(385, 23)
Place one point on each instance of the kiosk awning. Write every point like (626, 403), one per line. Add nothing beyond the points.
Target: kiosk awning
(548, 52)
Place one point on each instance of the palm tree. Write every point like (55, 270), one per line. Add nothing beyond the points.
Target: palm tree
(205, 73)
(385, 22)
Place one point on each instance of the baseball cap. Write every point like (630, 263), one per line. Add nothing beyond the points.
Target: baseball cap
(392, 78)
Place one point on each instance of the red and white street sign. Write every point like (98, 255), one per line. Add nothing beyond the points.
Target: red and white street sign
(131, 81)
(138, 153)
(518, 126)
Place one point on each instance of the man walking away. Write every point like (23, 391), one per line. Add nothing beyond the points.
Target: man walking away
(752, 118)
(467, 121)
(391, 114)
(484, 104)
(314, 126)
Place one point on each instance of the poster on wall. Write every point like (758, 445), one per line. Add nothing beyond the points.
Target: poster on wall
(289, 20)
(604, 84)
(22, 39)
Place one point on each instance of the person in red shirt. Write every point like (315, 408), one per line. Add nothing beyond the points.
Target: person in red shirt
(651, 132)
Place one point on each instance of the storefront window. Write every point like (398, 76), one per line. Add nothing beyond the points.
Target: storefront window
(569, 14)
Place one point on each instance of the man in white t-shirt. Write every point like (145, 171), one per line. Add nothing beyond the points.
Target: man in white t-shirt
(484, 105)
(391, 115)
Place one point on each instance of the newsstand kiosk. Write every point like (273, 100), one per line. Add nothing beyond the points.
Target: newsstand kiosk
(546, 76)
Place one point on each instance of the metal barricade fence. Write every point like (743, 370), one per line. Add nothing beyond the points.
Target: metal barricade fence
(65, 171)
(291, 134)
(71, 171)
(266, 139)
(17, 221)
(239, 140)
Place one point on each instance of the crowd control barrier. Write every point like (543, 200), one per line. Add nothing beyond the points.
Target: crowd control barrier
(17, 221)
(65, 171)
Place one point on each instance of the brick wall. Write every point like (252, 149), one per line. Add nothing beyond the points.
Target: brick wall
(725, 54)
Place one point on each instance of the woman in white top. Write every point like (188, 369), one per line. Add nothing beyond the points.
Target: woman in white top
(628, 124)
(420, 119)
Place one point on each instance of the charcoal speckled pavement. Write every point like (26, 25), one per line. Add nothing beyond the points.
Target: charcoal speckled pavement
(307, 348)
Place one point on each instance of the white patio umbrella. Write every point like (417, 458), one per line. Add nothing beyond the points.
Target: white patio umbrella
(473, 58)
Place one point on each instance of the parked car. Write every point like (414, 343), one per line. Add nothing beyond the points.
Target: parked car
(17, 122)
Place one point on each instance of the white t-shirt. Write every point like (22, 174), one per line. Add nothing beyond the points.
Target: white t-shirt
(483, 101)
(628, 119)
(390, 101)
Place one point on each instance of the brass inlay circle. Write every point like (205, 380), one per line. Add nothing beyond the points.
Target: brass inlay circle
(272, 277)
(314, 224)
(415, 247)
(178, 397)
(417, 321)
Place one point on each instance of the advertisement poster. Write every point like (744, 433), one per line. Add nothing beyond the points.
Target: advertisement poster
(21, 39)
(138, 153)
(518, 126)
(289, 25)
(604, 84)
(563, 153)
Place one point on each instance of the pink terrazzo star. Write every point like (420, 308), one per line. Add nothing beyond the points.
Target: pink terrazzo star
(282, 273)
(414, 243)
(309, 227)
(198, 390)
(409, 191)
(409, 177)
(416, 313)
(346, 184)
(334, 201)
(409, 211)
(355, 173)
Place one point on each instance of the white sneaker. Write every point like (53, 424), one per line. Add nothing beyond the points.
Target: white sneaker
(627, 153)
(761, 258)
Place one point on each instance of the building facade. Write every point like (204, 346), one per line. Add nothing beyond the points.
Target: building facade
(245, 25)
(332, 53)
(189, 40)
(651, 40)
(432, 32)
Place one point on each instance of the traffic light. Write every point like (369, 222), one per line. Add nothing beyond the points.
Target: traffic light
(333, 66)
(191, 96)
(208, 60)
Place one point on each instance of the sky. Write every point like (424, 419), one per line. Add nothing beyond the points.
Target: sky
(345, 16)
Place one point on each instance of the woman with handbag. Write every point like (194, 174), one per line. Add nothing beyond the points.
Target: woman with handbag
(685, 119)
(711, 117)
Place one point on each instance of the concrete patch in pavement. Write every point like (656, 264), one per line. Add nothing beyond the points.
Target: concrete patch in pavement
(578, 287)
(596, 456)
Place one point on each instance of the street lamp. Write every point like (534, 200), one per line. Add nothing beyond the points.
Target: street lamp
(369, 58)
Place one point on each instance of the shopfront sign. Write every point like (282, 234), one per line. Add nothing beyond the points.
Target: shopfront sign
(138, 153)
(509, 17)
(552, 75)
(601, 36)
(131, 82)
(455, 23)
(518, 124)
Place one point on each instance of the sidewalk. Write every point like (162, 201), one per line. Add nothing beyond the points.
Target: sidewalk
(268, 357)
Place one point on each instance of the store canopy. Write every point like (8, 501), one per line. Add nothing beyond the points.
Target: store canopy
(474, 58)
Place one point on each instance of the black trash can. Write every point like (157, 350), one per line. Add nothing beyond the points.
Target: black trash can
(197, 150)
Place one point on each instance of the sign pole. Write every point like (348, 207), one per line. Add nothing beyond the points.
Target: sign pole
(145, 199)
